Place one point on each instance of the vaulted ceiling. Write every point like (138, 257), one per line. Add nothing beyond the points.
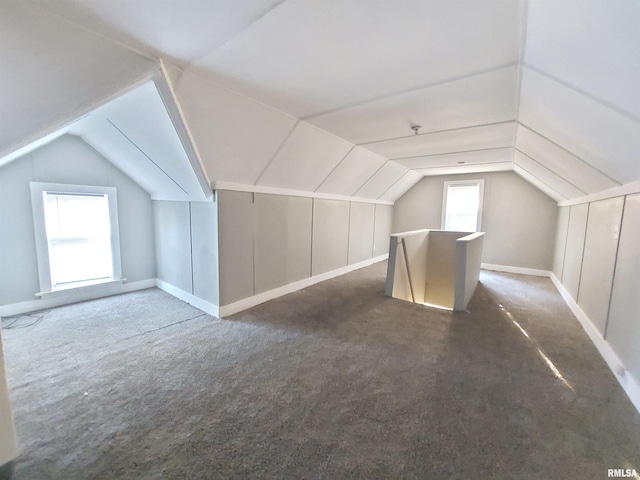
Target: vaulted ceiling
(321, 95)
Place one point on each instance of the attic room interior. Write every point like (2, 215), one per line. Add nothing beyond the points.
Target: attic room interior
(198, 208)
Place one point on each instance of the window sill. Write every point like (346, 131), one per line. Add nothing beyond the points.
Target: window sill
(81, 288)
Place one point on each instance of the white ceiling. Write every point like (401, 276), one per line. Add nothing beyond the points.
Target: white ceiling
(320, 95)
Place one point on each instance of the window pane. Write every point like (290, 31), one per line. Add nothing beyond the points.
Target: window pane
(79, 237)
(462, 206)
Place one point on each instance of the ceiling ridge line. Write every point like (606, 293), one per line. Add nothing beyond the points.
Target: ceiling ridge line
(237, 35)
(604, 103)
(503, 122)
(452, 153)
(570, 153)
(412, 90)
(547, 168)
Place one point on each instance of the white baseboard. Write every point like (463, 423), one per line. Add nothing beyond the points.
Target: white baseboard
(191, 299)
(628, 383)
(74, 297)
(521, 270)
(246, 303)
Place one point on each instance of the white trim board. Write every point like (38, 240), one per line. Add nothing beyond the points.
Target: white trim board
(74, 297)
(249, 302)
(520, 270)
(189, 298)
(626, 381)
(626, 189)
(241, 187)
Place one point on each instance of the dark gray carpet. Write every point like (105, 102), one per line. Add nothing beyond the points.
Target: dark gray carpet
(335, 381)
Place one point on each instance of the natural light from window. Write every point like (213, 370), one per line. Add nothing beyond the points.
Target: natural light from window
(462, 207)
(78, 237)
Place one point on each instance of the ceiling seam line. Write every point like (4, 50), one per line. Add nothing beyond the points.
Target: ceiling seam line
(334, 168)
(457, 166)
(276, 153)
(504, 122)
(372, 175)
(235, 36)
(150, 159)
(604, 103)
(523, 51)
(394, 183)
(411, 90)
(451, 153)
(547, 168)
(540, 180)
(570, 153)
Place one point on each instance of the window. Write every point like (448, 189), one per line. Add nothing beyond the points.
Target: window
(462, 205)
(76, 231)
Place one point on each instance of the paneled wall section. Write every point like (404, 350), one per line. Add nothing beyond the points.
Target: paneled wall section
(268, 241)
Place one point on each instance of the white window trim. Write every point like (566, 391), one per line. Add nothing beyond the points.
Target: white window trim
(445, 189)
(42, 249)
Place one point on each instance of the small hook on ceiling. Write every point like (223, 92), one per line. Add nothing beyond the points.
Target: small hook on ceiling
(416, 129)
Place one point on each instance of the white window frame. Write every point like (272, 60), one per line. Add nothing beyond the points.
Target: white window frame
(38, 190)
(480, 183)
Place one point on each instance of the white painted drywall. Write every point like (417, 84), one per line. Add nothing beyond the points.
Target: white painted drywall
(518, 219)
(600, 247)
(441, 268)
(270, 241)
(8, 442)
(574, 248)
(382, 229)
(204, 251)
(623, 327)
(236, 223)
(468, 266)
(561, 241)
(173, 243)
(361, 223)
(67, 160)
(330, 246)
(282, 240)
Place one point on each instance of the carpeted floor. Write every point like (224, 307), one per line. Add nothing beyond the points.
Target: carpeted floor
(335, 381)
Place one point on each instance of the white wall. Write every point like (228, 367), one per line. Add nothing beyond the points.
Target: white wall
(519, 220)
(66, 160)
(601, 273)
(269, 241)
(186, 235)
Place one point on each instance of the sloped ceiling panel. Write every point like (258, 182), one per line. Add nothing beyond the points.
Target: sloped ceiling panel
(462, 139)
(402, 186)
(601, 136)
(536, 182)
(585, 178)
(544, 175)
(590, 45)
(305, 159)
(236, 136)
(182, 31)
(478, 168)
(352, 172)
(312, 56)
(459, 159)
(475, 100)
(51, 69)
(381, 181)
